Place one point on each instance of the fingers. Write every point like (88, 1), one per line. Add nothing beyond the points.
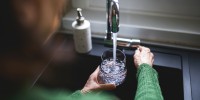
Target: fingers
(151, 57)
(107, 86)
(143, 55)
(95, 73)
(144, 49)
(137, 52)
(99, 88)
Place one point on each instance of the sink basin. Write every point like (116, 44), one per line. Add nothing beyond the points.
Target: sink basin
(171, 82)
(172, 90)
(74, 75)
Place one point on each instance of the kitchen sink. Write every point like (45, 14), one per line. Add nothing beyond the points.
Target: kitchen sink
(73, 76)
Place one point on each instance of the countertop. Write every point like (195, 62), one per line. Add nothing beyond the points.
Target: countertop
(178, 69)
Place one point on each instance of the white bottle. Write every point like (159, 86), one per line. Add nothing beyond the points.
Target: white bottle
(82, 34)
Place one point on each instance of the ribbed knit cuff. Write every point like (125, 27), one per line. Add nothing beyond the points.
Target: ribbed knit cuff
(146, 67)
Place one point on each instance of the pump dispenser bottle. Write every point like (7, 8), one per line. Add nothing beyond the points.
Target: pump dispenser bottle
(82, 33)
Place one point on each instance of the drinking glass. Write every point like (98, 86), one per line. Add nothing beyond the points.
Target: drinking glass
(112, 72)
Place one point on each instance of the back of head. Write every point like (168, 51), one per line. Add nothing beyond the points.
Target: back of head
(27, 22)
(24, 26)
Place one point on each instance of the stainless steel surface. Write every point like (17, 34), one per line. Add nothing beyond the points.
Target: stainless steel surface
(113, 26)
(112, 17)
(184, 34)
(122, 42)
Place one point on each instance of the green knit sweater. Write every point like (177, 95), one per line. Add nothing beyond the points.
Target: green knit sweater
(148, 89)
(148, 86)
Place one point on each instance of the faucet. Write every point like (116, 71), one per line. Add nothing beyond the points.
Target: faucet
(112, 18)
(113, 26)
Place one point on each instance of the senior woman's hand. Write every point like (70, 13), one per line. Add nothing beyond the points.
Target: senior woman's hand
(143, 55)
(92, 84)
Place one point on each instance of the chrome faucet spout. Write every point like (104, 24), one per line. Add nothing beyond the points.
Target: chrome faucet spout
(112, 17)
(113, 26)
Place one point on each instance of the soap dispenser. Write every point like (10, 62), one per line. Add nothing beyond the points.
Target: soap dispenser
(82, 33)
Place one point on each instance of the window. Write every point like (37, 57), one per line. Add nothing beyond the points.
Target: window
(174, 22)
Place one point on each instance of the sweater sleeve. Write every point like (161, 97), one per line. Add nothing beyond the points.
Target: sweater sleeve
(91, 96)
(148, 85)
(43, 94)
(76, 94)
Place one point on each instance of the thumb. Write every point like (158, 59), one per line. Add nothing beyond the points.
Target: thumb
(137, 52)
(107, 86)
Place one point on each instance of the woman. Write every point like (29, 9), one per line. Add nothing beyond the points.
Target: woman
(26, 27)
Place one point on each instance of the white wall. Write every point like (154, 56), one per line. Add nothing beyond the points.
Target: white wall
(189, 8)
(173, 22)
